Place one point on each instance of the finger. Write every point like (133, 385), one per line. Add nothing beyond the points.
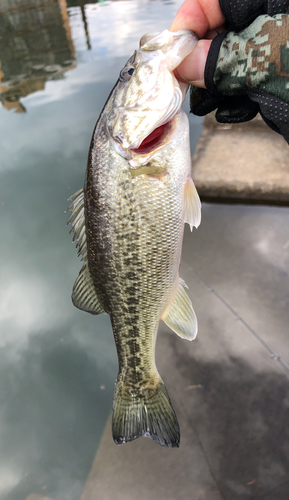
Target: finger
(198, 16)
(192, 68)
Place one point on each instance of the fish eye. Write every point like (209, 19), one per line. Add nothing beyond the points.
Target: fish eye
(125, 74)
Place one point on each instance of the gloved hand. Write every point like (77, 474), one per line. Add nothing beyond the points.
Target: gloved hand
(248, 71)
(240, 14)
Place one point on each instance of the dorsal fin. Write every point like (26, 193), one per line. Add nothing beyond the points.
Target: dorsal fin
(77, 221)
(83, 294)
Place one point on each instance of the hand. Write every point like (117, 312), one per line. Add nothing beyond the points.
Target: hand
(204, 17)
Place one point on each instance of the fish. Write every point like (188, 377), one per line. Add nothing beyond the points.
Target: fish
(128, 223)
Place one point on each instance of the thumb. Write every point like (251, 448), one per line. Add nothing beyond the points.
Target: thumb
(192, 68)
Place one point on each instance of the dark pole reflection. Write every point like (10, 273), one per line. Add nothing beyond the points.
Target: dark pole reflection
(83, 14)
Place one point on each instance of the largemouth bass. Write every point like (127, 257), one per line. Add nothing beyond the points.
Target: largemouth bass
(128, 221)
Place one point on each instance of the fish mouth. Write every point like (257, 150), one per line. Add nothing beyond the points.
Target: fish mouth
(153, 142)
(156, 138)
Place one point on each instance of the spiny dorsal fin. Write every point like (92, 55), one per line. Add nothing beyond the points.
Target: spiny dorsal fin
(83, 294)
(181, 317)
(77, 221)
(192, 205)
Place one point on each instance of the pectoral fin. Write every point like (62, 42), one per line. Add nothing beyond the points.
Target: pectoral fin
(192, 205)
(84, 295)
(181, 317)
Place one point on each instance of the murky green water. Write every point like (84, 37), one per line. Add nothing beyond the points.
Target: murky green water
(58, 62)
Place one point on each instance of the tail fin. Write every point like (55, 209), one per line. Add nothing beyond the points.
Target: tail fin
(149, 415)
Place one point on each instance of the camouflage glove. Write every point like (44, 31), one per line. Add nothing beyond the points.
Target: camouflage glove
(240, 14)
(247, 73)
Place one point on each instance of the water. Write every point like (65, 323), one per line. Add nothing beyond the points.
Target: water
(59, 62)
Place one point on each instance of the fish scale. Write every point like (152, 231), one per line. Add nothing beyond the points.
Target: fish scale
(128, 222)
(130, 253)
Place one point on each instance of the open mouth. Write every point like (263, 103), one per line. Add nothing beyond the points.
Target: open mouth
(154, 139)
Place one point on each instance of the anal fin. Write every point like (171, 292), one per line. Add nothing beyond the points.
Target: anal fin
(181, 317)
(84, 295)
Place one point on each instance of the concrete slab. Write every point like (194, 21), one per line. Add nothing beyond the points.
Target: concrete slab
(146, 471)
(243, 253)
(229, 392)
(247, 162)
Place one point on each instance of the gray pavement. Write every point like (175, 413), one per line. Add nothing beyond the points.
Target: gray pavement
(246, 162)
(230, 386)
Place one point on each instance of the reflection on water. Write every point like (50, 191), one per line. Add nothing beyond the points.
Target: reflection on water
(58, 364)
(83, 14)
(35, 46)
